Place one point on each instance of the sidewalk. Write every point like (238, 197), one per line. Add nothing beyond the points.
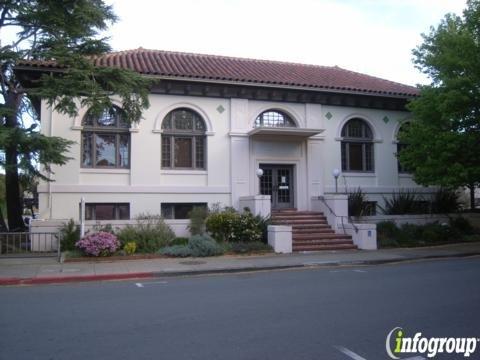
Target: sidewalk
(15, 271)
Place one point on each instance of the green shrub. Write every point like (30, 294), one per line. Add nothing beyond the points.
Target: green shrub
(357, 204)
(410, 235)
(179, 241)
(229, 226)
(150, 233)
(246, 228)
(103, 228)
(248, 247)
(220, 224)
(176, 251)
(462, 225)
(130, 248)
(445, 201)
(387, 232)
(263, 223)
(197, 215)
(69, 234)
(405, 202)
(204, 245)
(198, 246)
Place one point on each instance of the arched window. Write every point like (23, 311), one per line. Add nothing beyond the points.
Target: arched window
(400, 146)
(357, 146)
(106, 140)
(274, 118)
(183, 140)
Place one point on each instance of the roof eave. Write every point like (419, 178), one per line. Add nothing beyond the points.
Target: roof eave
(280, 86)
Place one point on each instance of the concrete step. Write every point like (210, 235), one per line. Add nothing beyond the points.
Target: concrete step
(324, 247)
(296, 213)
(322, 242)
(310, 226)
(313, 230)
(299, 222)
(298, 218)
(320, 236)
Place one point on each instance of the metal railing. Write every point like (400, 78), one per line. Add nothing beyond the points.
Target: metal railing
(349, 218)
(27, 244)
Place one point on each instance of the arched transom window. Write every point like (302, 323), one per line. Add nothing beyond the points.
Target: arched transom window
(274, 118)
(106, 140)
(357, 146)
(183, 140)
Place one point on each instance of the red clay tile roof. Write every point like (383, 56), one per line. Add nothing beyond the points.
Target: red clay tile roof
(242, 70)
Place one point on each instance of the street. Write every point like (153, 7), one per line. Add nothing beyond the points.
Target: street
(317, 313)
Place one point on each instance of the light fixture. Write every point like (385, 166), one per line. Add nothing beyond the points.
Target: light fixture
(259, 173)
(336, 174)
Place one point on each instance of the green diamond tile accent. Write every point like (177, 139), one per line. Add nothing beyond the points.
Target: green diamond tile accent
(386, 119)
(328, 115)
(220, 109)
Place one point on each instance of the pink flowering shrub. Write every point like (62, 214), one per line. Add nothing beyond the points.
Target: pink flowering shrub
(98, 244)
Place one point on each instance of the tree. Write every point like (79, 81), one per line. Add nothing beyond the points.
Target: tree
(444, 137)
(64, 33)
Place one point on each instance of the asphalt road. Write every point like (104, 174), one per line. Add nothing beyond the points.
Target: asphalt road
(301, 314)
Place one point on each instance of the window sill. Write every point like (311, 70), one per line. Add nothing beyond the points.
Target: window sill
(104, 171)
(360, 140)
(183, 172)
(359, 174)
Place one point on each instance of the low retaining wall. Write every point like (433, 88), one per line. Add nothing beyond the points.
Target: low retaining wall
(179, 227)
(335, 208)
(419, 219)
(258, 204)
(280, 238)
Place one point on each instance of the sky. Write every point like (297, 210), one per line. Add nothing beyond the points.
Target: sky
(374, 37)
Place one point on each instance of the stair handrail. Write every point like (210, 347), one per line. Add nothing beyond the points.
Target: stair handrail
(322, 199)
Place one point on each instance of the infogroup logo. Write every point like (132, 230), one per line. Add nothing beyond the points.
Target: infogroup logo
(398, 344)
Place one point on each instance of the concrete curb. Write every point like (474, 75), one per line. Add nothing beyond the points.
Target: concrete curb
(78, 278)
(158, 274)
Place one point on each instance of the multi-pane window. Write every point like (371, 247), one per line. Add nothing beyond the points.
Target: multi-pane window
(106, 140)
(107, 211)
(179, 210)
(183, 140)
(400, 146)
(357, 146)
(273, 118)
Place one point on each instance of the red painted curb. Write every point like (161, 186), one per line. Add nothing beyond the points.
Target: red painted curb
(78, 278)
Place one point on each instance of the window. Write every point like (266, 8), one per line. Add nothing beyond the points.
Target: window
(107, 211)
(357, 146)
(369, 208)
(106, 140)
(272, 118)
(183, 140)
(179, 210)
(400, 146)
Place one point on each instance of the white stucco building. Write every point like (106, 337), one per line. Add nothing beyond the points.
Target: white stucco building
(213, 121)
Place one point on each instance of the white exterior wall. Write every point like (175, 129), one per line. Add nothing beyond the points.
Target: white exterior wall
(232, 157)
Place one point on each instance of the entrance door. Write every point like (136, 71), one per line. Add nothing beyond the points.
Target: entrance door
(277, 181)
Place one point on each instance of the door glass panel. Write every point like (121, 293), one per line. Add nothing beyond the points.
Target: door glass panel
(283, 185)
(277, 182)
(266, 182)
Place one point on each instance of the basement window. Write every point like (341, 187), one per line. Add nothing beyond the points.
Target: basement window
(179, 210)
(107, 211)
